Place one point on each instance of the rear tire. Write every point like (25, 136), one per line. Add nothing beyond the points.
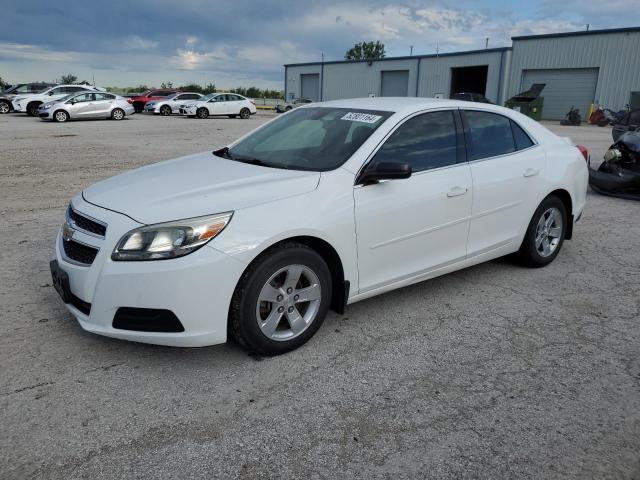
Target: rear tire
(165, 110)
(61, 116)
(245, 113)
(268, 315)
(117, 114)
(32, 108)
(202, 113)
(545, 234)
(5, 107)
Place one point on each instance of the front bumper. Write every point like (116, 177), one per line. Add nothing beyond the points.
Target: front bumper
(188, 111)
(196, 288)
(625, 186)
(44, 115)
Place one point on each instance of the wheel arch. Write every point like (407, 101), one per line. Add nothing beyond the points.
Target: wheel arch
(53, 115)
(565, 198)
(340, 286)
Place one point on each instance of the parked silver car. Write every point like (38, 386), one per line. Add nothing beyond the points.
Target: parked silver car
(86, 105)
(298, 102)
(171, 104)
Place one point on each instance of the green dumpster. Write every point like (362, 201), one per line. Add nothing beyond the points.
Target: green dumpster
(529, 103)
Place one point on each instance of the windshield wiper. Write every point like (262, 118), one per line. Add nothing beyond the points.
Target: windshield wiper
(224, 152)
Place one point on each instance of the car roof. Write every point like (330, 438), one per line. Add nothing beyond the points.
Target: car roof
(395, 104)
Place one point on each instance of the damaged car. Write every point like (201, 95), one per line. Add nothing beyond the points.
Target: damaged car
(619, 174)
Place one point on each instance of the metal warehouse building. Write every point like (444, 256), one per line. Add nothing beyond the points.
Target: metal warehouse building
(578, 68)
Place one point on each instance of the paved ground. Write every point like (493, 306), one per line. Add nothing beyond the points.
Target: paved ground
(493, 372)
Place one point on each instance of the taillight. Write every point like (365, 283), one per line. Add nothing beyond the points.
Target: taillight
(584, 152)
(129, 100)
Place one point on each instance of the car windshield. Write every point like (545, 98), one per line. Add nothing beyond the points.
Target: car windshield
(208, 97)
(317, 139)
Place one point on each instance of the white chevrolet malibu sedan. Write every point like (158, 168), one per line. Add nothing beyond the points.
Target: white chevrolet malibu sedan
(324, 206)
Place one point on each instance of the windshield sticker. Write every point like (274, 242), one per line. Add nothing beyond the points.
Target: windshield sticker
(361, 117)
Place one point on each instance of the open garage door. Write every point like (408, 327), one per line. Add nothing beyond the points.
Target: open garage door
(395, 83)
(565, 87)
(310, 86)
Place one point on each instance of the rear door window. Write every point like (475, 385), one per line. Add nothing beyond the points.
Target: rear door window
(490, 134)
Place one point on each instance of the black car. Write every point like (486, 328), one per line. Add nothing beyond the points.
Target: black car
(21, 88)
(629, 123)
(471, 97)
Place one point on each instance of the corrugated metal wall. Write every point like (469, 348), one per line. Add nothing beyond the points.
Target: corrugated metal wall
(435, 73)
(359, 79)
(350, 80)
(617, 55)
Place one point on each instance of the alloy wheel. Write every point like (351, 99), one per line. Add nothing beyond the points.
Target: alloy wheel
(549, 232)
(4, 107)
(117, 114)
(288, 302)
(61, 116)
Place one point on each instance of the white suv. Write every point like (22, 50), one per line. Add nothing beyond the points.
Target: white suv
(30, 103)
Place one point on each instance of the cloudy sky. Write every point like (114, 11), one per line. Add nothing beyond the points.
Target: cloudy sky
(244, 43)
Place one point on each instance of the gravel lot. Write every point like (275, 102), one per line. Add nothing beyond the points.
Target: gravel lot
(493, 372)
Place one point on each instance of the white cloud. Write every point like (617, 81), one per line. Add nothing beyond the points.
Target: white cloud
(136, 42)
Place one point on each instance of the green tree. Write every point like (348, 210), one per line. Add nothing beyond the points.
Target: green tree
(69, 79)
(166, 85)
(3, 84)
(366, 51)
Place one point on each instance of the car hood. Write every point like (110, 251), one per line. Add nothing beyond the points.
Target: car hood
(196, 185)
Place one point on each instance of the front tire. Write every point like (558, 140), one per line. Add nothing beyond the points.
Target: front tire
(5, 107)
(202, 113)
(545, 234)
(281, 300)
(245, 113)
(165, 110)
(61, 116)
(32, 108)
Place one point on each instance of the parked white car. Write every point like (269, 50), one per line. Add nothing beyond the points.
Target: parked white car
(171, 104)
(323, 206)
(30, 103)
(229, 104)
(86, 105)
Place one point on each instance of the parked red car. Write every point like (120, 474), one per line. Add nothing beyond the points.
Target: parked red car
(141, 100)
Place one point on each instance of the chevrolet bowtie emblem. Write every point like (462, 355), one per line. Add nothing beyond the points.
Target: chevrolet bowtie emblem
(67, 232)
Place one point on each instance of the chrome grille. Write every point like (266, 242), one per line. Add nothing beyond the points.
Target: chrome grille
(79, 221)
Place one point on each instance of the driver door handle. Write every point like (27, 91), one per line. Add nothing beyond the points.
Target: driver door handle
(531, 172)
(457, 191)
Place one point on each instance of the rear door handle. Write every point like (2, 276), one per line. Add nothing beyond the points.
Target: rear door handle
(457, 191)
(531, 172)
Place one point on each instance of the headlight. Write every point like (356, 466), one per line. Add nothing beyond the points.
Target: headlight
(169, 240)
(612, 154)
(150, 104)
(46, 106)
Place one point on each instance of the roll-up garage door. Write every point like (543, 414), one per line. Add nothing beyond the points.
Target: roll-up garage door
(395, 83)
(310, 86)
(565, 87)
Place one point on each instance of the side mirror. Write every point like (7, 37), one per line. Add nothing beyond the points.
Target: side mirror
(376, 172)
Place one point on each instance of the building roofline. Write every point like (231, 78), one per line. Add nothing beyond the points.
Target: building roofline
(578, 34)
(408, 57)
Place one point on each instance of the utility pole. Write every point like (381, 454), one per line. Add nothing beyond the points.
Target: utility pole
(588, 27)
(486, 42)
(411, 50)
